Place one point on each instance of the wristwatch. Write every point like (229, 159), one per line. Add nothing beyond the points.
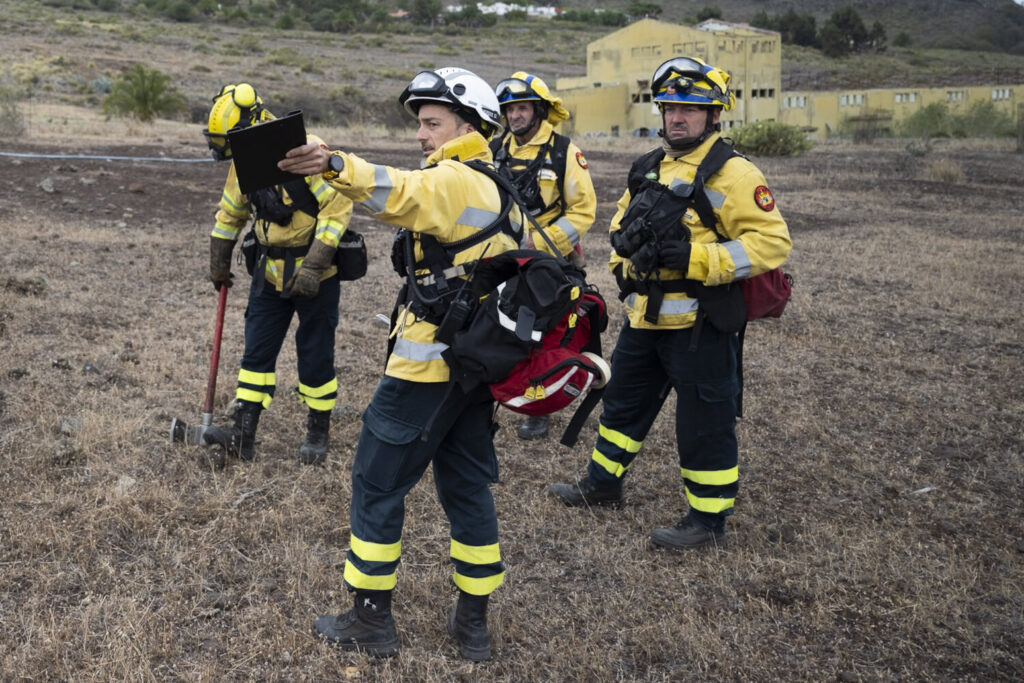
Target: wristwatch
(335, 163)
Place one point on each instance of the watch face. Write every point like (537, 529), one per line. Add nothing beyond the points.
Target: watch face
(335, 163)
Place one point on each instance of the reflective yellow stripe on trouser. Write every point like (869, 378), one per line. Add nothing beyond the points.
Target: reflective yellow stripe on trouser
(615, 451)
(711, 491)
(322, 397)
(372, 566)
(478, 568)
(256, 387)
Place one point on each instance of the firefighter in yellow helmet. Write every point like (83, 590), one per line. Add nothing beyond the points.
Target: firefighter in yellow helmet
(418, 418)
(678, 256)
(550, 173)
(295, 233)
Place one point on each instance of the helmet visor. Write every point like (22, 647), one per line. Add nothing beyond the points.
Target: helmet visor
(675, 68)
(218, 144)
(425, 84)
(512, 89)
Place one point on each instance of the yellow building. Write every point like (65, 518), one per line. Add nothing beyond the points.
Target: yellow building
(614, 98)
(824, 113)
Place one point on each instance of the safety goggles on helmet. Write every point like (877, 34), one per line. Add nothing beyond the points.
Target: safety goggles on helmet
(425, 85)
(678, 67)
(691, 81)
(515, 90)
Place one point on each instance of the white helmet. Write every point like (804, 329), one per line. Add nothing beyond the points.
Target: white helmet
(463, 90)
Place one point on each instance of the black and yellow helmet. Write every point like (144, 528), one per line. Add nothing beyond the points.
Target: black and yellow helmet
(235, 106)
(525, 87)
(690, 80)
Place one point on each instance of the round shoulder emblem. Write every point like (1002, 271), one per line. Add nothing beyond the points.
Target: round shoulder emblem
(581, 160)
(763, 198)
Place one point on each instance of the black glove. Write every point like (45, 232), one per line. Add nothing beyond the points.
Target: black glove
(675, 254)
(220, 262)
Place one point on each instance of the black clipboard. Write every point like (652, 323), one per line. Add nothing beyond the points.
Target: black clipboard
(257, 149)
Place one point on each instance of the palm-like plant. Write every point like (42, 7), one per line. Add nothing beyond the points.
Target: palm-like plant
(143, 93)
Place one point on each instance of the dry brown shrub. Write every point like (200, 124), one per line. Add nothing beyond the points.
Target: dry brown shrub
(944, 171)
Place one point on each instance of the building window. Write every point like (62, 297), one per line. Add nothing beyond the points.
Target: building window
(954, 95)
(739, 94)
(771, 92)
(1001, 94)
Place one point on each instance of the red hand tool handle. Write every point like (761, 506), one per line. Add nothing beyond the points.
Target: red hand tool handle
(211, 383)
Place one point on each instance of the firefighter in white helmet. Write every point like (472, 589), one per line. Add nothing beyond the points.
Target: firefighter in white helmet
(416, 417)
(696, 218)
(550, 173)
(296, 229)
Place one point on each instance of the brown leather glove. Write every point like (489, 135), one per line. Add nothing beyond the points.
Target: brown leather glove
(220, 262)
(306, 280)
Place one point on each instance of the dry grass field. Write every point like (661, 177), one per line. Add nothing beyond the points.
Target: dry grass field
(878, 533)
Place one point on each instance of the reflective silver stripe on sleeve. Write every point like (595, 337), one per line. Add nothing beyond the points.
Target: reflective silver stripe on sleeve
(569, 229)
(717, 199)
(415, 351)
(631, 300)
(739, 258)
(381, 191)
(329, 227)
(476, 218)
(225, 198)
(226, 232)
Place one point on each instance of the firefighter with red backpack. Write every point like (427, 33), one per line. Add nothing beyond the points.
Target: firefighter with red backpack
(549, 172)
(451, 217)
(291, 257)
(695, 220)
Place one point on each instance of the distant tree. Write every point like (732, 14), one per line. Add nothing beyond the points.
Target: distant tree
(144, 93)
(644, 9)
(762, 20)
(902, 39)
(877, 38)
(709, 12)
(843, 33)
(425, 11)
(798, 28)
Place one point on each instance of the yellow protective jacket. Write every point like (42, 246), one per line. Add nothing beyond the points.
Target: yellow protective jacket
(334, 216)
(567, 229)
(447, 200)
(746, 213)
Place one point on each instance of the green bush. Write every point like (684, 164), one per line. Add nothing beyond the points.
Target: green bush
(143, 93)
(981, 120)
(12, 121)
(771, 139)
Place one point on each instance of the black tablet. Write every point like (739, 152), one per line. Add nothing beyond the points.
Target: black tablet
(257, 149)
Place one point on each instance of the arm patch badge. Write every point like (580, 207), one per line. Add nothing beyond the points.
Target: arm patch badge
(763, 198)
(581, 160)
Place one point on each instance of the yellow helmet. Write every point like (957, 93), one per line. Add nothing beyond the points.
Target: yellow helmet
(235, 106)
(692, 81)
(524, 87)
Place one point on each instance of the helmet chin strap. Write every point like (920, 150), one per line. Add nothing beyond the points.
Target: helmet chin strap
(688, 144)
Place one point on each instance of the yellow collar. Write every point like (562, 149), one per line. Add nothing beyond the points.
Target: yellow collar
(463, 148)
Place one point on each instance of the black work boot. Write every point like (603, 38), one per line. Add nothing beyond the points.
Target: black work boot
(318, 426)
(688, 534)
(243, 435)
(587, 492)
(534, 427)
(367, 627)
(467, 624)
